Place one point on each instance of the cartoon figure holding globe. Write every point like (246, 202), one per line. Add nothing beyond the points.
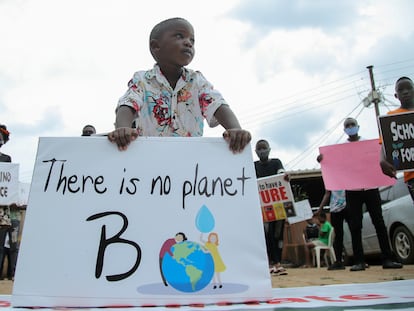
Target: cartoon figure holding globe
(212, 245)
(205, 224)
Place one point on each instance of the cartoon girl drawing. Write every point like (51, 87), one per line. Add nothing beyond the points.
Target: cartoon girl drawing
(212, 246)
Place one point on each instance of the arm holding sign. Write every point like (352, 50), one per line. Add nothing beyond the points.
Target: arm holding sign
(386, 167)
(404, 92)
(124, 133)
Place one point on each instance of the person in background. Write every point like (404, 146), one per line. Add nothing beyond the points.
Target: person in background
(88, 130)
(5, 223)
(339, 214)
(325, 229)
(273, 230)
(7, 255)
(170, 99)
(4, 138)
(311, 230)
(355, 200)
(404, 92)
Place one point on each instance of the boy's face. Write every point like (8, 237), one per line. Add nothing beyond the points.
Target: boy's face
(262, 150)
(404, 91)
(175, 46)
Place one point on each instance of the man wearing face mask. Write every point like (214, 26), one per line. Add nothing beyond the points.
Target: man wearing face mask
(371, 197)
(4, 138)
(274, 229)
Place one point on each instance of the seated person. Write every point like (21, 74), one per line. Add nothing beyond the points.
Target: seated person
(311, 231)
(323, 237)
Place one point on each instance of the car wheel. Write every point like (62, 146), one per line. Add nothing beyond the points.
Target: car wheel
(403, 245)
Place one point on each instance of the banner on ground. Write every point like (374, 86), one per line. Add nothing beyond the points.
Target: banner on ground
(9, 183)
(353, 166)
(276, 198)
(170, 221)
(397, 132)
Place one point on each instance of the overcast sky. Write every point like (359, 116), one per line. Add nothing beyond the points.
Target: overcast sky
(291, 70)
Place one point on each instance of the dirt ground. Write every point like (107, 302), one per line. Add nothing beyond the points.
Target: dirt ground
(300, 277)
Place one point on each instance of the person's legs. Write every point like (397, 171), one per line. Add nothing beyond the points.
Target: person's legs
(10, 270)
(3, 232)
(354, 200)
(373, 202)
(337, 224)
(270, 241)
(278, 237)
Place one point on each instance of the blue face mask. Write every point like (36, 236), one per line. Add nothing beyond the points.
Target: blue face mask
(351, 131)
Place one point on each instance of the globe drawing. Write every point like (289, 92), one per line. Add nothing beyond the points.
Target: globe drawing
(190, 268)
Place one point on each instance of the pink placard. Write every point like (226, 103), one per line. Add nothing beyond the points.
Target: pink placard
(352, 166)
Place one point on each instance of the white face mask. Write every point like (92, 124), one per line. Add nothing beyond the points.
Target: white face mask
(351, 130)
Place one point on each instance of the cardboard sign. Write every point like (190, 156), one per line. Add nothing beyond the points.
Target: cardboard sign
(397, 132)
(276, 198)
(108, 228)
(9, 183)
(303, 212)
(353, 166)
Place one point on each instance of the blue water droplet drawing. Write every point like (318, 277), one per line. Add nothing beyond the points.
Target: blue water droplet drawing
(205, 220)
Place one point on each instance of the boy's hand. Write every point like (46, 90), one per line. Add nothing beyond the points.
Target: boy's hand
(388, 169)
(123, 136)
(237, 139)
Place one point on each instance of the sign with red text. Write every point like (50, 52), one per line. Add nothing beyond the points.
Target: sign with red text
(9, 183)
(276, 198)
(398, 138)
(145, 226)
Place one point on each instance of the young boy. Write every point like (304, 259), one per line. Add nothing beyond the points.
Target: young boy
(170, 99)
(404, 92)
(324, 231)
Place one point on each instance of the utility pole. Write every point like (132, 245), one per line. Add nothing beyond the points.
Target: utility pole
(374, 97)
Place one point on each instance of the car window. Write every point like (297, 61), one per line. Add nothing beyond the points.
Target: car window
(394, 192)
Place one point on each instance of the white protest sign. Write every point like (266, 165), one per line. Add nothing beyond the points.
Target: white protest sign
(303, 212)
(98, 219)
(276, 198)
(9, 183)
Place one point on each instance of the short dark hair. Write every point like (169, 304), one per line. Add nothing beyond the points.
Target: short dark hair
(403, 78)
(322, 215)
(262, 141)
(88, 125)
(159, 29)
(85, 127)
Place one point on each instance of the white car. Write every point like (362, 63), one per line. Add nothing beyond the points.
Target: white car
(398, 213)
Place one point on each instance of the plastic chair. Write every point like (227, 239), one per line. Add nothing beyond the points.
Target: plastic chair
(329, 251)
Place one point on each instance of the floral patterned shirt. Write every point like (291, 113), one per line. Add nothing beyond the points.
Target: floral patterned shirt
(163, 111)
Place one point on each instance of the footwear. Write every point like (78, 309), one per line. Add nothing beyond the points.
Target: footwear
(337, 266)
(278, 271)
(358, 267)
(389, 264)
